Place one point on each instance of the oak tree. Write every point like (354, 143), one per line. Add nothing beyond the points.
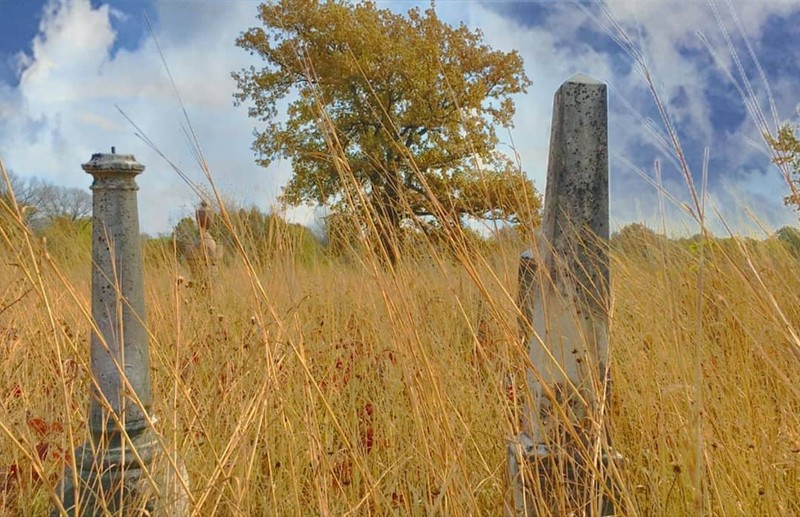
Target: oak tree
(408, 103)
(786, 155)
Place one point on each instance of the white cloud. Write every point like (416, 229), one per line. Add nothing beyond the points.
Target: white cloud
(664, 34)
(64, 108)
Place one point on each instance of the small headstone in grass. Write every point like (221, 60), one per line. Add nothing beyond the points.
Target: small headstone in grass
(204, 255)
(203, 258)
(121, 463)
(554, 463)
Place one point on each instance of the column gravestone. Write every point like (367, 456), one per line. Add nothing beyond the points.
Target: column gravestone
(110, 467)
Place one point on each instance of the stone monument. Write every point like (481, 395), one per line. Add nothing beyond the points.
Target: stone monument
(204, 254)
(554, 464)
(121, 466)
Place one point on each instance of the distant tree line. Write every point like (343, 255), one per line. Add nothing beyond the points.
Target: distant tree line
(637, 239)
(62, 215)
(262, 236)
(43, 202)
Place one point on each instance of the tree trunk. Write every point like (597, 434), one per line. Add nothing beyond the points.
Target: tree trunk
(387, 206)
(388, 226)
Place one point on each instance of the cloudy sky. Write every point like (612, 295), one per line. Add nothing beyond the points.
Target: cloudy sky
(65, 66)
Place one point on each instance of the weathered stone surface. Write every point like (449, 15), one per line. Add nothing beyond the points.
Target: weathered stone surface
(563, 296)
(111, 467)
(569, 311)
(203, 257)
(203, 253)
(527, 276)
(111, 480)
(117, 294)
(204, 215)
(575, 220)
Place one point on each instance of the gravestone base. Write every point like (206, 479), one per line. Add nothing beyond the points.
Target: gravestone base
(547, 480)
(111, 479)
(203, 260)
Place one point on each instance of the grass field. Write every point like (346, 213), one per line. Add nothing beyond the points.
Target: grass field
(339, 386)
(330, 383)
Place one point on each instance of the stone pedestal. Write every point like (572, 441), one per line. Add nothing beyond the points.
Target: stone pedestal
(204, 254)
(527, 281)
(203, 258)
(111, 465)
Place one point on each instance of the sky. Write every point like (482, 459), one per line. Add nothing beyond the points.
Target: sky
(67, 68)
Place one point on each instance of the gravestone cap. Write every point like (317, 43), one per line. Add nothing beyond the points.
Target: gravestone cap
(583, 79)
(112, 162)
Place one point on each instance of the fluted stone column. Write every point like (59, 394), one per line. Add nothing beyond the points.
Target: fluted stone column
(564, 299)
(110, 466)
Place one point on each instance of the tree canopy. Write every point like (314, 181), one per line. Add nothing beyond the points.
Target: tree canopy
(263, 235)
(786, 147)
(790, 237)
(403, 108)
(44, 202)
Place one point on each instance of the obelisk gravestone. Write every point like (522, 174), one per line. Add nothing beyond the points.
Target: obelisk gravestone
(564, 298)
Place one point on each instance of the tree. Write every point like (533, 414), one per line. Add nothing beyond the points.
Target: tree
(790, 237)
(69, 241)
(54, 201)
(636, 239)
(186, 235)
(263, 236)
(787, 156)
(45, 202)
(404, 108)
(23, 193)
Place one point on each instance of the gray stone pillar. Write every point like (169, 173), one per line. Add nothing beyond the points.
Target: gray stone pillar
(121, 442)
(570, 318)
(119, 350)
(565, 297)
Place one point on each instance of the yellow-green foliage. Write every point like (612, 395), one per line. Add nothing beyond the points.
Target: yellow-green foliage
(786, 155)
(262, 237)
(327, 387)
(265, 236)
(70, 241)
(415, 102)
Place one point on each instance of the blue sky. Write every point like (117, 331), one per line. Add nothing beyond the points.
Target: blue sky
(20, 21)
(66, 64)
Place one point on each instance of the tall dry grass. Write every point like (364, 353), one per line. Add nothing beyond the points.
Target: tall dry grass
(352, 387)
(338, 387)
